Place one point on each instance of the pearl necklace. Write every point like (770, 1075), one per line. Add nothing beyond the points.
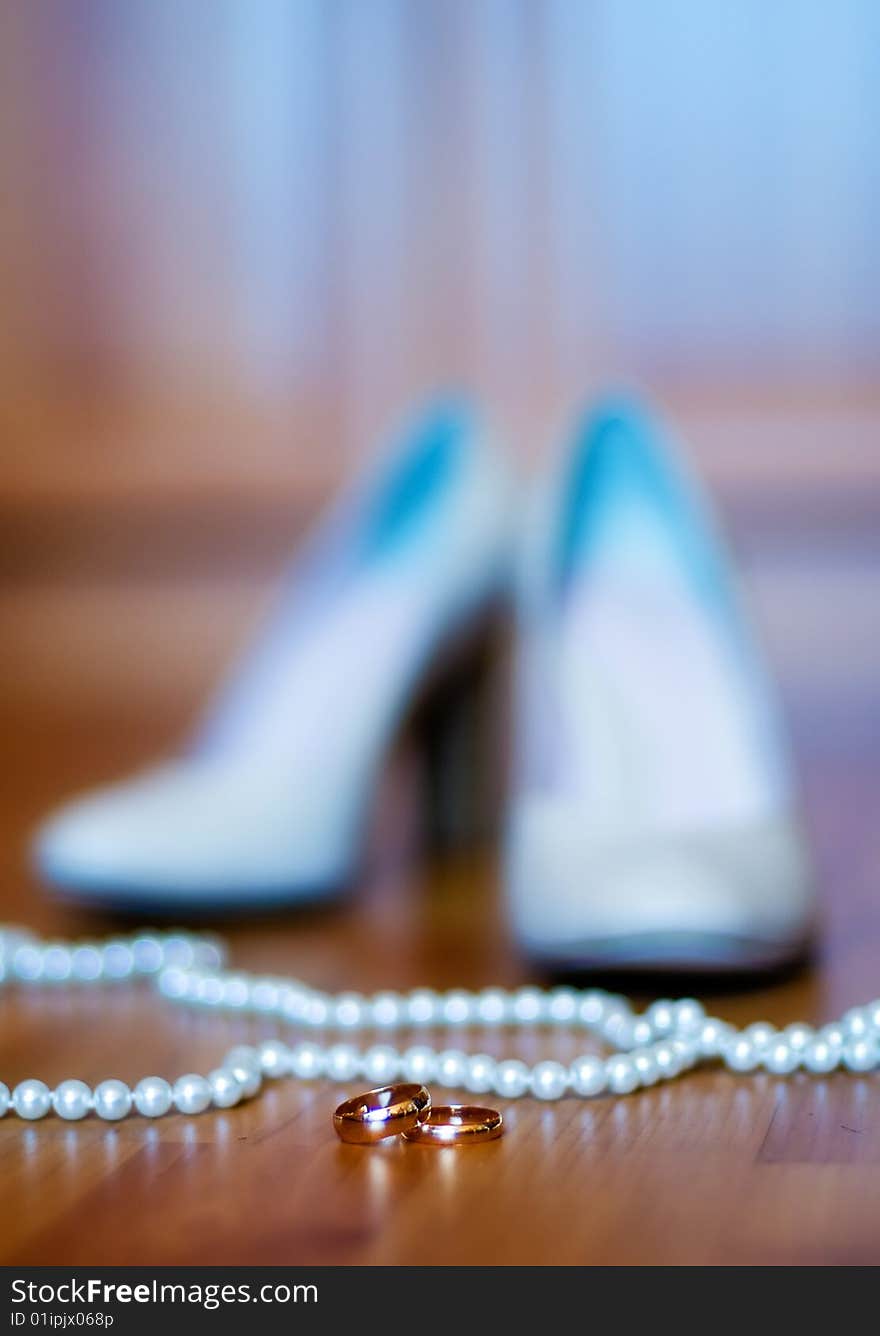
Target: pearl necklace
(657, 1045)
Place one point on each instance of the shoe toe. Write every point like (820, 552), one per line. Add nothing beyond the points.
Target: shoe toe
(192, 836)
(108, 839)
(734, 898)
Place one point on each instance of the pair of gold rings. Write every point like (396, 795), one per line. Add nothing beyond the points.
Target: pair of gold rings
(406, 1110)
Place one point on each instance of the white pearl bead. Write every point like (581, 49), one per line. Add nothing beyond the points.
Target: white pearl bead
(179, 951)
(274, 1058)
(458, 1008)
(419, 1064)
(243, 1054)
(118, 960)
(264, 996)
(761, 1033)
(452, 1066)
(667, 1059)
(423, 1007)
(512, 1078)
(210, 991)
(480, 1073)
(5, 1098)
(286, 998)
(780, 1058)
(192, 1093)
(528, 1006)
(86, 963)
(562, 1006)
(31, 1099)
(591, 1008)
(193, 987)
(152, 1097)
(381, 1064)
(856, 1022)
(306, 1061)
(173, 983)
(622, 1075)
(27, 963)
(661, 1014)
(342, 1062)
(587, 1075)
(820, 1056)
(72, 1100)
(316, 1011)
(646, 1067)
(248, 1076)
(226, 1090)
(741, 1054)
(689, 1015)
(798, 1036)
(873, 1010)
(687, 1050)
(835, 1037)
(549, 1080)
(211, 952)
(387, 1010)
(294, 1005)
(235, 992)
(712, 1037)
(112, 1100)
(349, 1011)
(861, 1055)
(641, 1032)
(57, 963)
(146, 951)
(618, 1029)
(492, 1006)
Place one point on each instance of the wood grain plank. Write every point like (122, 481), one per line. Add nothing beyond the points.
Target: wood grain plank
(712, 1169)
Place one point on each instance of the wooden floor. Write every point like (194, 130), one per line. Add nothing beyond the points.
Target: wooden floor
(714, 1169)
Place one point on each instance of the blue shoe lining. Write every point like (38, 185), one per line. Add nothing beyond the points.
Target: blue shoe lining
(621, 466)
(418, 476)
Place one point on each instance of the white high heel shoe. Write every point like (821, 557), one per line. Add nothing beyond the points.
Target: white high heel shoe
(653, 824)
(268, 804)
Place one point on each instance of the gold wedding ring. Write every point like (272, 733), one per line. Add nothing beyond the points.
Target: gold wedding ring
(381, 1113)
(456, 1125)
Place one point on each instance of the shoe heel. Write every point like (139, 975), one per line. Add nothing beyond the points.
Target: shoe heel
(459, 729)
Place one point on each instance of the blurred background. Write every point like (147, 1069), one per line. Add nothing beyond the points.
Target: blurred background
(239, 237)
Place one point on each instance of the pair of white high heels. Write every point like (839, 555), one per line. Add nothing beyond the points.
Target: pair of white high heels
(651, 821)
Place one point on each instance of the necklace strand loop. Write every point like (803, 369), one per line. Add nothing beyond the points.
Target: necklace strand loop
(669, 1038)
